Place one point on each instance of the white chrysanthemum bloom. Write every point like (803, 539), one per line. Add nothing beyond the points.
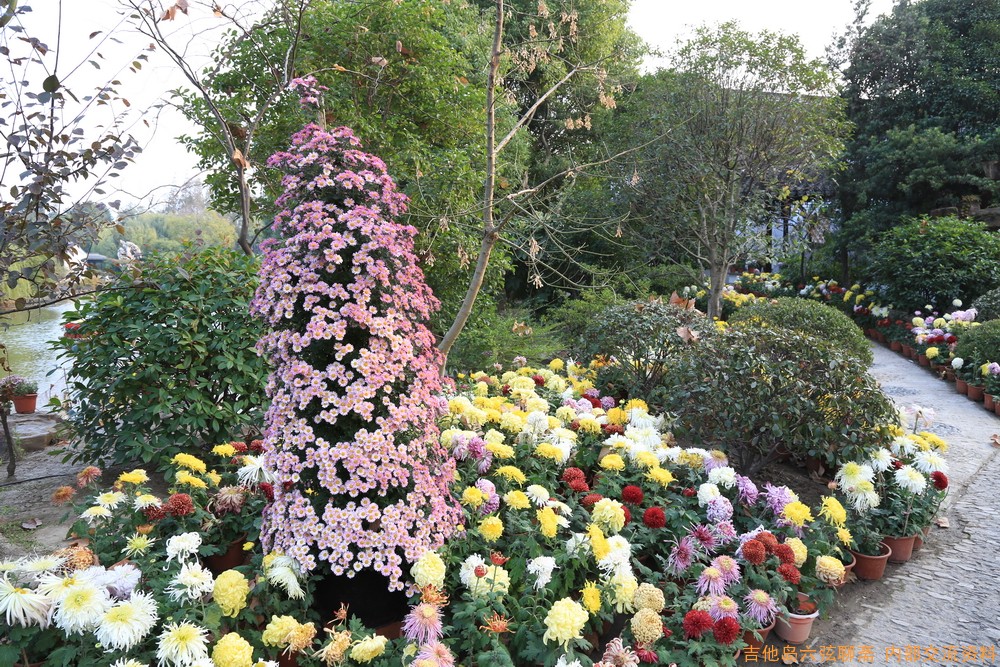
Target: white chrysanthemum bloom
(181, 644)
(144, 500)
(623, 587)
(9, 566)
(724, 476)
(538, 494)
(670, 454)
(563, 662)
(81, 608)
(127, 623)
(121, 580)
(902, 446)
(579, 542)
(203, 662)
(957, 363)
(41, 564)
(128, 662)
(191, 583)
(863, 496)
(22, 606)
(911, 479)
(881, 460)
(564, 446)
(560, 508)
(253, 472)
(615, 441)
(957, 303)
(283, 572)
(703, 453)
(928, 462)
(706, 492)
(644, 438)
(55, 586)
(536, 424)
(110, 499)
(138, 545)
(467, 573)
(852, 473)
(92, 514)
(542, 568)
(183, 546)
(619, 556)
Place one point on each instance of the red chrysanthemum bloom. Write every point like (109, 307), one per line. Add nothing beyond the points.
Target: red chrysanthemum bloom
(754, 552)
(646, 655)
(632, 495)
(480, 571)
(155, 512)
(256, 446)
(654, 517)
(498, 558)
(940, 480)
(628, 515)
(726, 630)
(789, 573)
(785, 554)
(239, 446)
(689, 492)
(505, 390)
(667, 632)
(594, 402)
(572, 473)
(574, 425)
(579, 485)
(696, 623)
(179, 504)
(610, 429)
(591, 499)
(539, 380)
(768, 540)
(268, 489)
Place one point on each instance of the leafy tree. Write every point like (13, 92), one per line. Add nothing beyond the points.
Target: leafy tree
(922, 86)
(725, 133)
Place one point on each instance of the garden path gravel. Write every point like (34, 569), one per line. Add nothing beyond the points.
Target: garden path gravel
(942, 607)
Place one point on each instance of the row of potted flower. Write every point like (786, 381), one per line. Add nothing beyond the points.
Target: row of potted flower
(588, 537)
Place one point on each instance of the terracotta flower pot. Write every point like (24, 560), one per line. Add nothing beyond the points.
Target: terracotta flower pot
(902, 548)
(896, 346)
(961, 386)
(923, 360)
(797, 627)
(996, 406)
(989, 401)
(907, 351)
(847, 568)
(25, 405)
(871, 568)
(976, 392)
(751, 640)
(879, 336)
(949, 374)
(232, 557)
(918, 541)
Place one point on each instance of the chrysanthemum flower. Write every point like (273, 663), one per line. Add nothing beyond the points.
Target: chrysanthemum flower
(63, 495)
(191, 583)
(647, 626)
(761, 607)
(660, 476)
(429, 570)
(648, 596)
(81, 607)
(799, 550)
(851, 473)
(929, 462)
(726, 630)
(833, 511)
(729, 568)
(682, 555)
(564, 621)
(609, 514)
(723, 606)
(591, 597)
(696, 623)
(437, 653)
(704, 537)
(517, 500)
(230, 592)
(24, 607)
(232, 650)
(632, 495)
(754, 551)
(138, 545)
(910, 479)
(92, 514)
(542, 568)
(711, 582)
(423, 623)
(126, 623)
(797, 513)
(181, 644)
(789, 573)
(491, 528)
(654, 517)
(182, 546)
(940, 480)
(829, 569)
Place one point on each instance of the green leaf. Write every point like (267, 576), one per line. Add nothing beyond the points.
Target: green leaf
(51, 83)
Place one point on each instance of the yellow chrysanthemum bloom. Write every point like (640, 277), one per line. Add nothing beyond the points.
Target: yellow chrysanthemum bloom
(636, 404)
(564, 622)
(598, 542)
(547, 450)
(225, 450)
(491, 528)
(691, 459)
(185, 478)
(512, 474)
(517, 500)
(429, 570)
(591, 596)
(500, 450)
(232, 651)
(137, 476)
(472, 497)
(845, 537)
(278, 629)
(548, 521)
(935, 441)
(192, 463)
(589, 425)
(799, 549)
(660, 476)
(833, 511)
(932, 353)
(609, 514)
(557, 365)
(798, 513)
(829, 569)
(648, 596)
(647, 460)
(213, 477)
(647, 626)
(617, 416)
(368, 648)
(230, 592)
(613, 462)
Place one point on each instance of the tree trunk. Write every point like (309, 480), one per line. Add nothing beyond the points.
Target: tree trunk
(11, 460)
(717, 281)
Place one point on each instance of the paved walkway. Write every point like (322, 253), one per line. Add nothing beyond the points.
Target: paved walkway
(943, 607)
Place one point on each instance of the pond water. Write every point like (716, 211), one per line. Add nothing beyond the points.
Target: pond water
(27, 337)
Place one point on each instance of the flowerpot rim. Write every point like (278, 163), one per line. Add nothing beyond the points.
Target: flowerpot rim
(815, 614)
(884, 547)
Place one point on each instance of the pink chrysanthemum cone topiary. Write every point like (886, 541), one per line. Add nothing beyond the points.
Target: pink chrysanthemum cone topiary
(355, 385)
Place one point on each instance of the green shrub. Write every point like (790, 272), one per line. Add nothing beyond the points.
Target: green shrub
(808, 317)
(978, 345)
(932, 262)
(497, 338)
(757, 392)
(573, 317)
(641, 340)
(165, 360)
(988, 305)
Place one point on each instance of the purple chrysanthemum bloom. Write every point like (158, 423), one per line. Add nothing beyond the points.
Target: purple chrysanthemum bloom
(460, 447)
(477, 447)
(713, 462)
(593, 393)
(729, 568)
(485, 462)
(724, 532)
(608, 402)
(705, 538)
(491, 505)
(423, 623)
(748, 490)
(711, 582)
(437, 654)
(760, 607)
(723, 606)
(682, 555)
(720, 509)
(778, 497)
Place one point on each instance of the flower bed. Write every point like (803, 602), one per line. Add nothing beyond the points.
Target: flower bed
(587, 537)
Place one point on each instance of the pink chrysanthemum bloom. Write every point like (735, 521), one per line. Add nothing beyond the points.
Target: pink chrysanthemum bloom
(437, 653)
(619, 655)
(704, 536)
(423, 623)
(711, 582)
(729, 568)
(682, 555)
(723, 606)
(760, 606)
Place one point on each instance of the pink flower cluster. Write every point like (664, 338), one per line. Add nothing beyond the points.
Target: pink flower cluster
(355, 388)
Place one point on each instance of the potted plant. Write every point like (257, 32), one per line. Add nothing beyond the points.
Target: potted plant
(24, 394)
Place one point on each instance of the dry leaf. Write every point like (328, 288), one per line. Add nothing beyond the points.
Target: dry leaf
(789, 659)
(217, 11)
(942, 522)
(995, 440)
(182, 5)
(688, 335)
(680, 302)
(31, 524)
(462, 80)
(170, 14)
(380, 61)
(339, 68)
(399, 46)
(239, 160)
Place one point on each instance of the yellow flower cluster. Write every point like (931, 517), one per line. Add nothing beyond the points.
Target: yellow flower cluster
(648, 596)
(548, 521)
(598, 542)
(517, 500)
(137, 476)
(230, 592)
(613, 462)
(226, 450)
(232, 651)
(512, 474)
(564, 622)
(184, 478)
(833, 511)
(190, 462)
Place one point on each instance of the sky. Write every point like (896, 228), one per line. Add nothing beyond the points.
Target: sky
(164, 161)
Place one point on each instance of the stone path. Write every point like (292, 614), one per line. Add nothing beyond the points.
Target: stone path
(942, 607)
